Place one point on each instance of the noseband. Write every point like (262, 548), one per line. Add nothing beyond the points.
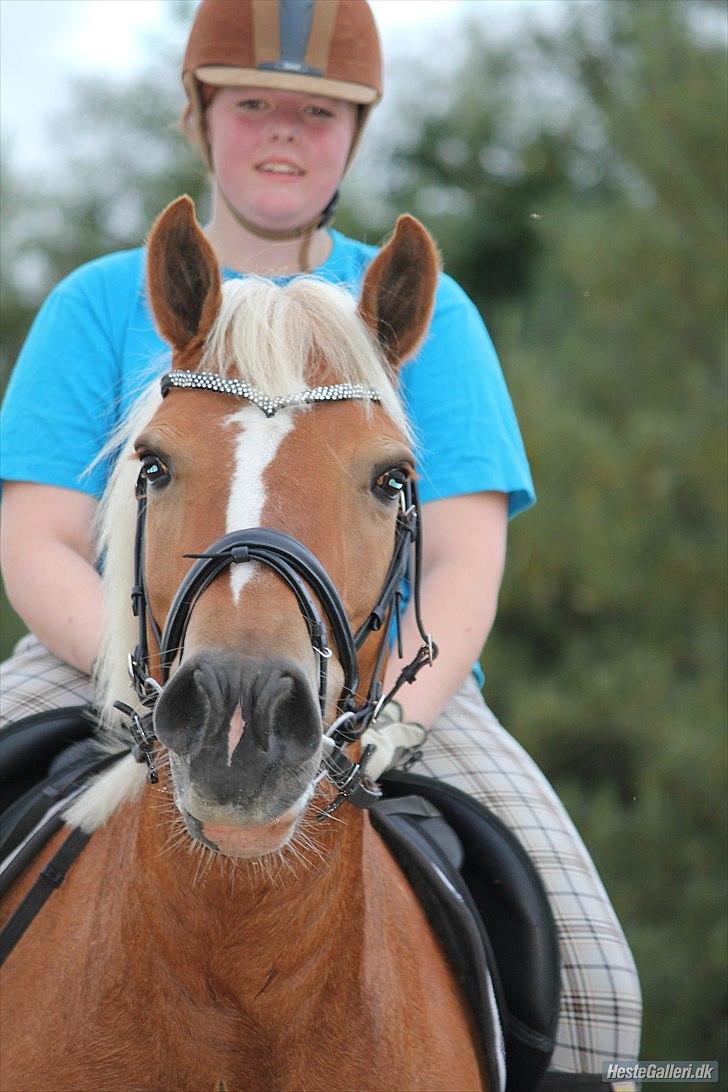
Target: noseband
(304, 574)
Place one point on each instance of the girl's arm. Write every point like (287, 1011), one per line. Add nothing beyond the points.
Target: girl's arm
(464, 550)
(47, 556)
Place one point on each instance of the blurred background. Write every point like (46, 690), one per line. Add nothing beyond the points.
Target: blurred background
(569, 156)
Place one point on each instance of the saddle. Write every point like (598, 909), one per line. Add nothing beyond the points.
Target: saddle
(475, 882)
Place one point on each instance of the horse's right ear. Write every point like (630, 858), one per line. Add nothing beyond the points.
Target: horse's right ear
(183, 280)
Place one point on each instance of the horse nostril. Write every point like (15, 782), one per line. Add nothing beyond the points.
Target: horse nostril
(261, 729)
(274, 705)
(263, 700)
(182, 713)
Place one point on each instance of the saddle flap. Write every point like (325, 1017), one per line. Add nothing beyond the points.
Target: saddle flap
(425, 817)
(515, 911)
(419, 840)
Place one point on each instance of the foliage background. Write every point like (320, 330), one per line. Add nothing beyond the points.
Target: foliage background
(575, 180)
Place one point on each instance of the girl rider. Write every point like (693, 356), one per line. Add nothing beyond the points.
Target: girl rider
(278, 94)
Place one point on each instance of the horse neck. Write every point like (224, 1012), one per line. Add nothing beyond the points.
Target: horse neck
(242, 917)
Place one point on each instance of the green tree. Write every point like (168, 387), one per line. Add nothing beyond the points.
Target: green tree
(617, 588)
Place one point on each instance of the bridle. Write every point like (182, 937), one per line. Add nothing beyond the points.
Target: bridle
(316, 595)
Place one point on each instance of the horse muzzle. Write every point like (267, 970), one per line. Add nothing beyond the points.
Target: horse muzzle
(244, 737)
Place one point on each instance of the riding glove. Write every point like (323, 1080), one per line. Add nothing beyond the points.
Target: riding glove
(397, 741)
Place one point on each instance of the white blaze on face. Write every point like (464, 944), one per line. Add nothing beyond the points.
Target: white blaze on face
(235, 732)
(257, 444)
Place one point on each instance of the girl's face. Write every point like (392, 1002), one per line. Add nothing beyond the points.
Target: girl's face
(279, 155)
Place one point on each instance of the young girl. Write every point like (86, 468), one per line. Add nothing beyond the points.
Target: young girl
(278, 94)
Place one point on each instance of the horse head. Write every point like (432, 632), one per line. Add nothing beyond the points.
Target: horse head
(280, 432)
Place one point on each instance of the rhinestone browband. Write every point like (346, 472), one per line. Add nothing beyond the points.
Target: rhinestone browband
(208, 381)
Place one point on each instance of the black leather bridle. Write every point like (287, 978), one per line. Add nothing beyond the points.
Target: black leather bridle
(318, 600)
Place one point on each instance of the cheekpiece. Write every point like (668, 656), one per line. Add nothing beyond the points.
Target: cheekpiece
(209, 381)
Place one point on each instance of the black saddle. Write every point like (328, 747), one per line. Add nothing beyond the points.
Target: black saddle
(29, 746)
(488, 905)
(476, 883)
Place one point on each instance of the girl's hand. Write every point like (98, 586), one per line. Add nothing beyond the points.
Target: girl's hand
(395, 740)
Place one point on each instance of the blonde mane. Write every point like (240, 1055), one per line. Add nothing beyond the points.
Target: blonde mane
(273, 337)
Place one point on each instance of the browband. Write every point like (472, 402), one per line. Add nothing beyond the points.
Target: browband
(209, 381)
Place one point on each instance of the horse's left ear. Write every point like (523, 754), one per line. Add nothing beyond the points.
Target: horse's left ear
(399, 290)
(183, 279)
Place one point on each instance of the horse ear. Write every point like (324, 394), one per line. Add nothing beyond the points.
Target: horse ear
(399, 290)
(183, 279)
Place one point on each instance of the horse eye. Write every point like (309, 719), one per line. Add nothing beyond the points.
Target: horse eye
(153, 471)
(391, 483)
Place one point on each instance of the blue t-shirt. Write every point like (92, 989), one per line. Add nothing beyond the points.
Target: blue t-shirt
(93, 348)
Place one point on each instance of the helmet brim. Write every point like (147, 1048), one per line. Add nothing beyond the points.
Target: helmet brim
(227, 76)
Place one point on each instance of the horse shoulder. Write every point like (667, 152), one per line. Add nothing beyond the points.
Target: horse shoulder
(64, 967)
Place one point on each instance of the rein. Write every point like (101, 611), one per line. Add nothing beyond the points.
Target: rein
(304, 574)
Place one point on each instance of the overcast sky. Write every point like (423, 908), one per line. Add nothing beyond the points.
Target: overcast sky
(43, 43)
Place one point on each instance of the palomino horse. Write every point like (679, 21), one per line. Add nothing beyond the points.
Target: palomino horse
(214, 934)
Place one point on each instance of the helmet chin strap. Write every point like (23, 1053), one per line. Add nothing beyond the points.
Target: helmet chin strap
(304, 233)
